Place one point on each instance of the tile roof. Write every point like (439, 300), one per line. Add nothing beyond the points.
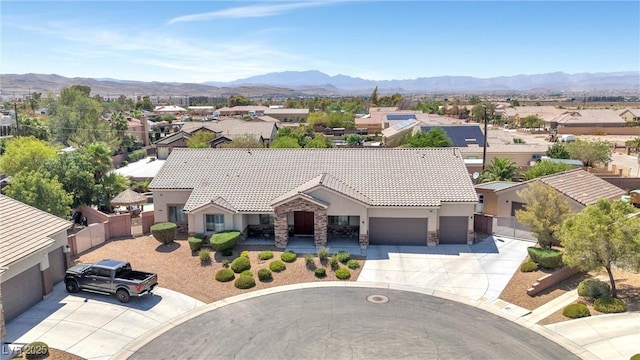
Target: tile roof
(251, 180)
(328, 181)
(599, 116)
(506, 148)
(25, 230)
(234, 127)
(286, 112)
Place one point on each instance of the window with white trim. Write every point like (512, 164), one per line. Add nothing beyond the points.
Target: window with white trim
(338, 220)
(214, 222)
(266, 219)
(176, 214)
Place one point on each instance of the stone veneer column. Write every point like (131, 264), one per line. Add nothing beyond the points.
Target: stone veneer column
(363, 239)
(470, 237)
(433, 238)
(320, 228)
(281, 227)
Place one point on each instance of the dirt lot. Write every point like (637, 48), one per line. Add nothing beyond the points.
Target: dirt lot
(180, 270)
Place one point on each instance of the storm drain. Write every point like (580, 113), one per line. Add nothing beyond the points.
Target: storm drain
(377, 299)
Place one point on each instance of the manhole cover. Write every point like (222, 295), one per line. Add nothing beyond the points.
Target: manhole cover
(377, 299)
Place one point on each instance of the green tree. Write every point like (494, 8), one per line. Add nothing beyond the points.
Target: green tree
(515, 102)
(36, 189)
(373, 99)
(25, 154)
(634, 144)
(435, 137)
(31, 126)
(340, 120)
(201, 139)
(317, 119)
(145, 104)
(602, 235)
(83, 89)
(477, 112)
(544, 212)
(119, 125)
(99, 155)
(500, 169)
(244, 141)
(544, 168)
(590, 153)
(531, 121)
(390, 100)
(76, 174)
(75, 115)
(238, 100)
(285, 142)
(474, 100)
(107, 187)
(319, 141)
(558, 151)
(354, 140)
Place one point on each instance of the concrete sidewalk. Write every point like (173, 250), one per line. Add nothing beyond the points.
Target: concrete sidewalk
(552, 306)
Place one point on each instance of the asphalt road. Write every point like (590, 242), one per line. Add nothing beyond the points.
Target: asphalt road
(340, 323)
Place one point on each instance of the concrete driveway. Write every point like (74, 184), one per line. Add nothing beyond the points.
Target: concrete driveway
(95, 326)
(478, 272)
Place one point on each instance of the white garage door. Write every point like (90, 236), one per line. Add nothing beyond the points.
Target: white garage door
(21, 292)
(397, 231)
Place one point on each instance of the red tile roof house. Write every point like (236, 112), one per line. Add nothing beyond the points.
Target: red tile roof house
(33, 247)
(376, 196)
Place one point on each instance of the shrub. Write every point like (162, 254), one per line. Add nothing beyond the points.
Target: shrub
(288, 256)
(277, 266)
(194, 243)
(36, 350)
(343, 274)
(164, 232)
(136, 155)
(245, 282)
(224, 240)
(635, 357)
(575, 311)
(353, 264)
(546, 258)
(323, 254)
(309, 260)
(245, 253)
(205, 256)
(224, 275)
(333, 261)
(225, 263)
(320, 272)
(265, 255)
(240, 264)
(343, 256)
(227, 252)
(594, 288)
(264, 275)
(529, 266)
(609, 305)
(247, 273)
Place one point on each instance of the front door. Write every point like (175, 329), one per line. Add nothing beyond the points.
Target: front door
(303, 223)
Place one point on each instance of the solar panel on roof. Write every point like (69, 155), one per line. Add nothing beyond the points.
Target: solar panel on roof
(461, 135)
(404, 124)
(401, 116)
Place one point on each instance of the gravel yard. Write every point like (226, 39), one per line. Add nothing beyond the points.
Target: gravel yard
(181, 271)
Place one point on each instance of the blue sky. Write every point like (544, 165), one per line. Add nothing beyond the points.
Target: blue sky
(200, 41)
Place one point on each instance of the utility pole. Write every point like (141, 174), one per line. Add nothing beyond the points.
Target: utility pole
(484, 148)
(15, 109)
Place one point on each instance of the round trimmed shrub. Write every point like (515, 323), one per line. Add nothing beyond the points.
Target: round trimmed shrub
(594, 288)
(343, 274)
(205, 256)
(245, 282)
(546, 258)
(264, 275)
(247, 273)
(36, 350)
(265, 255)
(529, 266)
(165, 233)
(320, 272)
(288, 256)
(575, 311)
(635, 357)
(343, 256)
(195, 243)
(353, 264)
(240, 264)
(245, 253)
(224, 240)
(277, 266)
(224, 275)
(609, 305)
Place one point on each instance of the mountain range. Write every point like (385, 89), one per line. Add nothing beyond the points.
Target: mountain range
(313, 82)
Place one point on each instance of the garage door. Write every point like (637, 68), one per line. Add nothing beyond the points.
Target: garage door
(56, 264)
(21, 292)
(397, 231)
(453, 229)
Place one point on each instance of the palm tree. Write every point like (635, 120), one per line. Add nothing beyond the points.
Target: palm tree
(500, 169)
(634, 144)
(99, 155)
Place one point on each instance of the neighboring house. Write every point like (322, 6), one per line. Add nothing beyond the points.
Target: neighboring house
(249, 110)
(139, 129)
(580, 188)
(630, 115)
(170, 109)
(288, 115)
(373, 196)
(546, 113)
(523, 155)
(460, 135)
(33, 247)
(588, 122)
(393, 136)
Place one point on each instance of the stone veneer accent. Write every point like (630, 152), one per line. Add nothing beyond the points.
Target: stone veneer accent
(364, 241)
(470, 237)
(433, 238)
(281, 227)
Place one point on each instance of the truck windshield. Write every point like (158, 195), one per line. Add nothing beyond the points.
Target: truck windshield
(123, 270)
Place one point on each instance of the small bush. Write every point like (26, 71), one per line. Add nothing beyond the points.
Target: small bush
(245, 282)
(225, 263)
(136, 155)
(165, 233)
(353, 264)
(320, 272)
(277, 266)
(227, 252)
(240, 264)
(264, 275)
(518, 141)
(205, 256)
(265, 255)
(594, 288)
(343, 256)
(224, 275)
(609, 305)
(343, 274)
(247, 273)
(529, 266)
(333, 261)
(288, 256)
(309, 260)
(36, 350)
(635, 357)
(323, 254)
(224, 240)
(245, 253)
(194, 243)
(546, 258)
(575, 311)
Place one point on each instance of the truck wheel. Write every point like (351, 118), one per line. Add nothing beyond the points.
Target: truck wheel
(72, 286)
(123, 295)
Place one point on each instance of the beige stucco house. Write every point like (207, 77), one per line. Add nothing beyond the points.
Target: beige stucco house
(372, 196)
